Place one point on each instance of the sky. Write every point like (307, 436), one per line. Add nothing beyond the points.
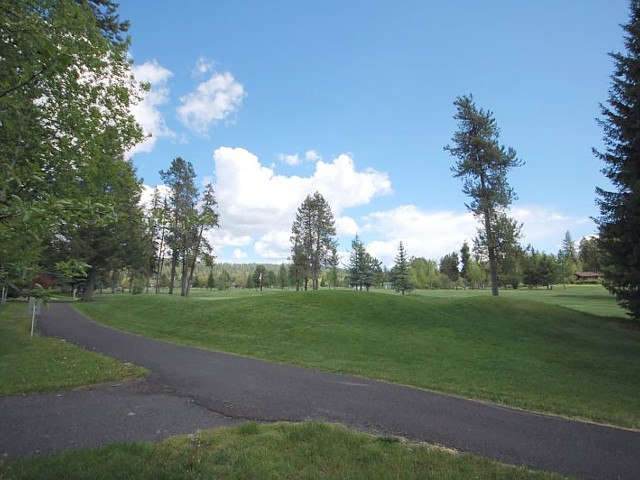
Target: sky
(272, 101)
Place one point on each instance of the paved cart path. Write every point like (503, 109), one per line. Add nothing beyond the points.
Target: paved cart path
(190, 388)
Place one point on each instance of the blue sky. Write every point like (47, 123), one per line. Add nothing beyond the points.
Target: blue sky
(273, 100)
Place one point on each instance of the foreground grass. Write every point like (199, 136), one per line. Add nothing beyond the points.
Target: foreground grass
(45, 364)
(307, 450)
(520, 353)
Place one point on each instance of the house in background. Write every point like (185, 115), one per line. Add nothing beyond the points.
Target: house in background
(585, 277)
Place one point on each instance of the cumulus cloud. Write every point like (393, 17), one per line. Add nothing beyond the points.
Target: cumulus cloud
(312, 156)
(256, 202)
(544, 227)
(433, 234)
(346, 227)
(147, 112)
(429, 234)
(239, 254)
(212, 101)
(291, 159)
(146, 196)
(203, 66)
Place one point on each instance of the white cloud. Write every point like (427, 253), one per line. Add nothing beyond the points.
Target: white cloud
(212, 101)
(312, 156)
(255, 202)
(147, 112)
(433, 234)
(346, 227)
(239, 254)
(544, 227)
(204, 66)
(274, 245)
(289, 159)
(429, 234)
(146, 196)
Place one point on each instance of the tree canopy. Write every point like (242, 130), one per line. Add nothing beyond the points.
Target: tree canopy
(66, 90)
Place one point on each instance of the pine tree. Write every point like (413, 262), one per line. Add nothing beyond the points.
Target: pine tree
(363, 267)
(402, 271)
(313, 239)
(483, 164)
(619, 222)
(465, 260)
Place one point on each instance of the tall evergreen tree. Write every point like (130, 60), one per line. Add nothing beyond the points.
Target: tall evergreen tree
(363, 268)
(483, 164)
(402, 271)
(449, 266)
(313, 239)
(180, 178)
(619, 221)
(465, 260)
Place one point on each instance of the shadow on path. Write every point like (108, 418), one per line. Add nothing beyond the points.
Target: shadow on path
(189, 388)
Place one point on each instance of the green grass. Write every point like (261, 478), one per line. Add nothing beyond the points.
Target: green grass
(593, 299)
(45, 364)
(514, 351)
(306, 450)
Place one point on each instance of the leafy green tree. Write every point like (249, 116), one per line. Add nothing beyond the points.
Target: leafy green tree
(547, 267)
(401, 272)
(477, 275)
(259, 277)
(590, 255)
(65, 98)
(270, 279)
(424, 273)
(211, 280)
(619, 221)
(465, 260)
(313, 239)
(283, 277)
(72, 272)
(449, 266)
(117, 241)
(224, 280)
(483, 164)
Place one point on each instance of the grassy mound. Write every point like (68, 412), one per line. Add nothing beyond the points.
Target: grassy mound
(307, 450)
(511, 351)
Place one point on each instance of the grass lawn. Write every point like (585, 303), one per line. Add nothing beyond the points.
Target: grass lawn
(512, 350)
(306, 450)
(46, 364)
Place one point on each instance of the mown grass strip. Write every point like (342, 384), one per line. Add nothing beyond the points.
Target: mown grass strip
(515, 352)
(306, 450)
(45, 364)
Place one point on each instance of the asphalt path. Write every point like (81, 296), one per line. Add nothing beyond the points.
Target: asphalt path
(190, 388)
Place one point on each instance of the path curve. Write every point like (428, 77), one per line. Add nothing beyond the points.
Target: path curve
(231, 387)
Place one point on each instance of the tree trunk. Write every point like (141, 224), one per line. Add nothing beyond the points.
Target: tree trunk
(90, 286)
(195, 256)
(184, 281)
(491, 248)
(493, 270)
(174, 264)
